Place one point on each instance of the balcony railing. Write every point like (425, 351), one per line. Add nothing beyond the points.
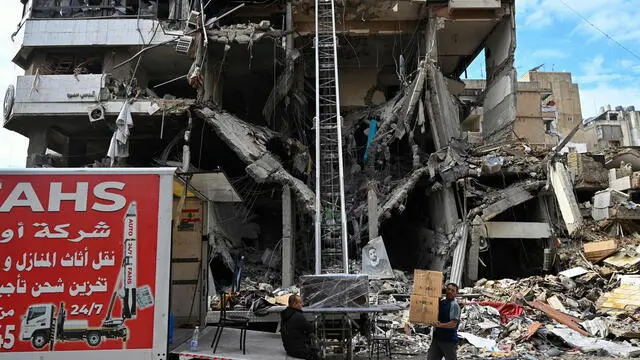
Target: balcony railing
(474, 4)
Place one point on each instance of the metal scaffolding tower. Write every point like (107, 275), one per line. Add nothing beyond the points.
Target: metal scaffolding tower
(331, 224)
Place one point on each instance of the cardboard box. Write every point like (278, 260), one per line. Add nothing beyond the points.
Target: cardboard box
(597, 251)
(427, 283)
(423, 309)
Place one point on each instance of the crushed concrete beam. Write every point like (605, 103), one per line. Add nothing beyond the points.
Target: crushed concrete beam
(516, 230)
(400, 193)
(267, 168)
(510, 197)
(563, 189)
(249, 142)
(441, 107)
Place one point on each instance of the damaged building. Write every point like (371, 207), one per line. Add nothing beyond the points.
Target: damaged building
(548, 109)
(226, 92)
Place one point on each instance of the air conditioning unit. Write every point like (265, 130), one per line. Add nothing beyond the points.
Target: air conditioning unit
(192, 21)
(184, 45)
(96, 113)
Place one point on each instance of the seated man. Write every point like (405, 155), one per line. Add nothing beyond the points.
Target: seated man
(296, 331)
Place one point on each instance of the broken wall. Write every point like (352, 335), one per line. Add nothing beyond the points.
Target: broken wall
(355, 85)
(566, 96)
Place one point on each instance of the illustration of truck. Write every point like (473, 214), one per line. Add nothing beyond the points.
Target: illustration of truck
(42, 327)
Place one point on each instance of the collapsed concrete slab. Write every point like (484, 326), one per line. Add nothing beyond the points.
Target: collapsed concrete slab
(516, 230)
(563, 189)
(499, 201)
(249, 142)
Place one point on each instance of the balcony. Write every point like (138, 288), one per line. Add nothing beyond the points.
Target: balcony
(78, 32)
(56, 94)
(72, 98)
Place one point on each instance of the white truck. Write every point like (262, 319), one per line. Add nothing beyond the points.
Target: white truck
(41, 327)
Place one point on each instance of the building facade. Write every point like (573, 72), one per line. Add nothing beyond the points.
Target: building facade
(230, 85)
(562, 111)
(547, 104)
(613, 129)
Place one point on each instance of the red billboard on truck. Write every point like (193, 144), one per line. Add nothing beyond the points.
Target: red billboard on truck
(84, 263)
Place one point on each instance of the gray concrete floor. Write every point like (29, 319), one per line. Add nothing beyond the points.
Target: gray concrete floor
(260, 345)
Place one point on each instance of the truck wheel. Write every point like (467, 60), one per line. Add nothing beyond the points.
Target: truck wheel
(40, 339)
(93, 338)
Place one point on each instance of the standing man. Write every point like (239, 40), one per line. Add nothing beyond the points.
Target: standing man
(445, 333)
(296, 331)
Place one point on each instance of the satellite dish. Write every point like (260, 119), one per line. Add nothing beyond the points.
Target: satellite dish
(9, 98)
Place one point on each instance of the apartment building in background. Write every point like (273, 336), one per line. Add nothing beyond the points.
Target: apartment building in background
(561, 110)
(613, 128)
(548, 104)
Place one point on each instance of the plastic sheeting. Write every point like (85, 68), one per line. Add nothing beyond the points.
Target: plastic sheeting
(480, 342)
(335, 291)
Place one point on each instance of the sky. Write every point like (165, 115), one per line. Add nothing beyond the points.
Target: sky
(13, 146)
(549, 32)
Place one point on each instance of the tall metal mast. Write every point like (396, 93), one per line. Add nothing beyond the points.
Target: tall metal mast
(331, 225)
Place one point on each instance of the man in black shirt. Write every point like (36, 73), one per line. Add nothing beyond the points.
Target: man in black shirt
(296, 331)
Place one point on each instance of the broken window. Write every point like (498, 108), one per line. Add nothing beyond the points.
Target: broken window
(613, 116)
(609, 132)
(69, 64)
(96, 8)
(548, 126)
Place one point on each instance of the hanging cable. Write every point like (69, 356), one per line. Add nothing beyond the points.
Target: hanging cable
(600, 30)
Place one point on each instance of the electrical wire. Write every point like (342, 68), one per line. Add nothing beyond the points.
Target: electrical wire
(600, 30)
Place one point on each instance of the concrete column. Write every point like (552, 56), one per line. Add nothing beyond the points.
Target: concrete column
(37, 148)
(444, 215)
(500, 99)
(431, 37)
(204, 280)
(288, 239)
(372, 212)
(473, 255)
(212, 80)
(289, 24)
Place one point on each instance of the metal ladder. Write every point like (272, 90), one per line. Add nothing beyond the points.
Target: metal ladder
(331, 228)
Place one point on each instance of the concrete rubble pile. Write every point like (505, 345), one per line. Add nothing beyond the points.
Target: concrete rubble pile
(585, 298)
